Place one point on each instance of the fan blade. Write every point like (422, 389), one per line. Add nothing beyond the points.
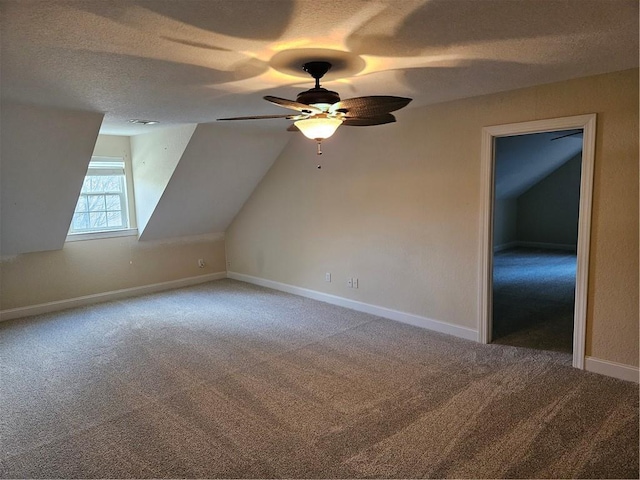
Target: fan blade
(259, 117)
(369, 106)
(301, 107)
(367, 121)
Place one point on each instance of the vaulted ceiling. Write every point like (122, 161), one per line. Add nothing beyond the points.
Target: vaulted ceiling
(524, 160)
(189, 62)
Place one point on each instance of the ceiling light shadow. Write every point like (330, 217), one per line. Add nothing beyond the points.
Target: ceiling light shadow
(261, 20)
(190, 43)
(436, 24)
(125, 82)
(479, 77)
(343, 64)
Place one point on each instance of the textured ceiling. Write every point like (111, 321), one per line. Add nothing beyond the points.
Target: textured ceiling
(192, 61)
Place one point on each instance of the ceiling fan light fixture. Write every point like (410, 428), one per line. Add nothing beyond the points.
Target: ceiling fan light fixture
(322, 106)
(321, 111)
(318, 128)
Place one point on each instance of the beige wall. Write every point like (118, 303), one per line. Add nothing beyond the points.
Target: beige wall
(97, 266)
(398, 207)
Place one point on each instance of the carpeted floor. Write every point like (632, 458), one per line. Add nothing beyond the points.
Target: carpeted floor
(230, 380)
(533, 298)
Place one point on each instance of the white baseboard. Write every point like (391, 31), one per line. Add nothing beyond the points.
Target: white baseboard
(411, 319)
(547, 246)
(505, 246)
(592, 364)
(612, 369)
(106, 296)
(543, 245)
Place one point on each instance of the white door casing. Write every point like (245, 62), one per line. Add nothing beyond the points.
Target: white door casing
(588, 124)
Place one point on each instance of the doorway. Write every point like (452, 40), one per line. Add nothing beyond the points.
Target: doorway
(535, 234)
(492, 138)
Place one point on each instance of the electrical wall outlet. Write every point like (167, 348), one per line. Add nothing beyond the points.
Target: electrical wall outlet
(327, 277)
(201, 263)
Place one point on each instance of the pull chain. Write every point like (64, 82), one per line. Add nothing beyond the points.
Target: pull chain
(319, 148)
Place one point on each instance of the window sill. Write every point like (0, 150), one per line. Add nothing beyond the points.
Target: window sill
(79, 237)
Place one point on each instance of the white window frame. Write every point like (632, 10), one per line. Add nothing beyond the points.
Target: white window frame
(103, 165)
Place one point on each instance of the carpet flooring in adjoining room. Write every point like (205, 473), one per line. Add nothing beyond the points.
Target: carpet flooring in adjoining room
(534, 298)
(230, 380)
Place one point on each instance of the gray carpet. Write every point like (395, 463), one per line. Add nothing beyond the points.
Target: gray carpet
(230, 380)
(533, 298)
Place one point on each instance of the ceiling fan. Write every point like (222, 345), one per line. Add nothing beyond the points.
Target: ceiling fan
(321, 112)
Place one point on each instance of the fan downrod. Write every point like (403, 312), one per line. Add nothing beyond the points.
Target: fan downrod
(317, 94)
(316, 70)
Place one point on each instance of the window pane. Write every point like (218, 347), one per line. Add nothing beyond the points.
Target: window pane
(114, 219)
(97, 220)
(113, 202)
(102, 203)
(80, 221)
(96, 202)
(81, 206)
(86, 185)
(98, 183)
(112, 183)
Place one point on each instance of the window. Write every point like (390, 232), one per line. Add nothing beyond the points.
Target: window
(102, 205)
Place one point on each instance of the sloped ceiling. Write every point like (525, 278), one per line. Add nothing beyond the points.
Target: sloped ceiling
(216, 174)
(189, 62)
(524, 160)
(45, 154)
(155, 156)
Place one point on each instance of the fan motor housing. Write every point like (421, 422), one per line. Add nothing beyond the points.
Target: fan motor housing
(318, 95)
